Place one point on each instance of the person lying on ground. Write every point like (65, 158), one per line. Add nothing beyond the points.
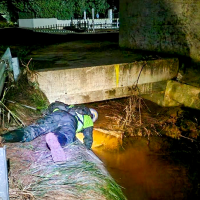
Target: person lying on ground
(60, 123)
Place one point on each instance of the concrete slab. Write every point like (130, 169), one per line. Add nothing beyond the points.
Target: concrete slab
(77, 54)
(86, 71)
(181, 94)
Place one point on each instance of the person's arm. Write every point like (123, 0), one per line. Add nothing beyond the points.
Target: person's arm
(88, 137)
(57, 104)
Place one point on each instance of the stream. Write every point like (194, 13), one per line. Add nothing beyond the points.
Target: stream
(164, 169)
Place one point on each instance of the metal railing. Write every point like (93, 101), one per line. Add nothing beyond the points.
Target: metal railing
(8, 63)
(79, 26)
(4, 63)
(4, 190)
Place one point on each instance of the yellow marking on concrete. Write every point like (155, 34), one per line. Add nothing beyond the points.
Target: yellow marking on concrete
(117, 74)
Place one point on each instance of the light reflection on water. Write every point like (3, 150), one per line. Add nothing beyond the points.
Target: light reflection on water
(145, 172)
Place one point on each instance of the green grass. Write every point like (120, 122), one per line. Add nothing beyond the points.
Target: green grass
(76, 177)
(39, 101)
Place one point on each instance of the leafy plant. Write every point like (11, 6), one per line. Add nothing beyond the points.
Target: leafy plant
(60, 9)
(39, 101)
(4, 9)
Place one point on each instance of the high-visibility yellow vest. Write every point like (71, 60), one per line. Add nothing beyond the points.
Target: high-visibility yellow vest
(56, 109)
(84, 121)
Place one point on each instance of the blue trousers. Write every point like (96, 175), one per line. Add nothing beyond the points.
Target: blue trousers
(61, 123)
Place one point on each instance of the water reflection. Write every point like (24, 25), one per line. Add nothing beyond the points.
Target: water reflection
(145, 172)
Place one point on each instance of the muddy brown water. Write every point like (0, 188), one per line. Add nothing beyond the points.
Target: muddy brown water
(147, 171)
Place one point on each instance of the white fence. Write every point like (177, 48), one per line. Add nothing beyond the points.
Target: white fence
(79, 26)
(75, 25)
(43, 22)
(37, 22)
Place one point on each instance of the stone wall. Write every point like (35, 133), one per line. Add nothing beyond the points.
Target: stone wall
(169, 26)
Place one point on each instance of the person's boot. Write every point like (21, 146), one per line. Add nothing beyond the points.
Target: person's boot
(57, 151)
(14, 136)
